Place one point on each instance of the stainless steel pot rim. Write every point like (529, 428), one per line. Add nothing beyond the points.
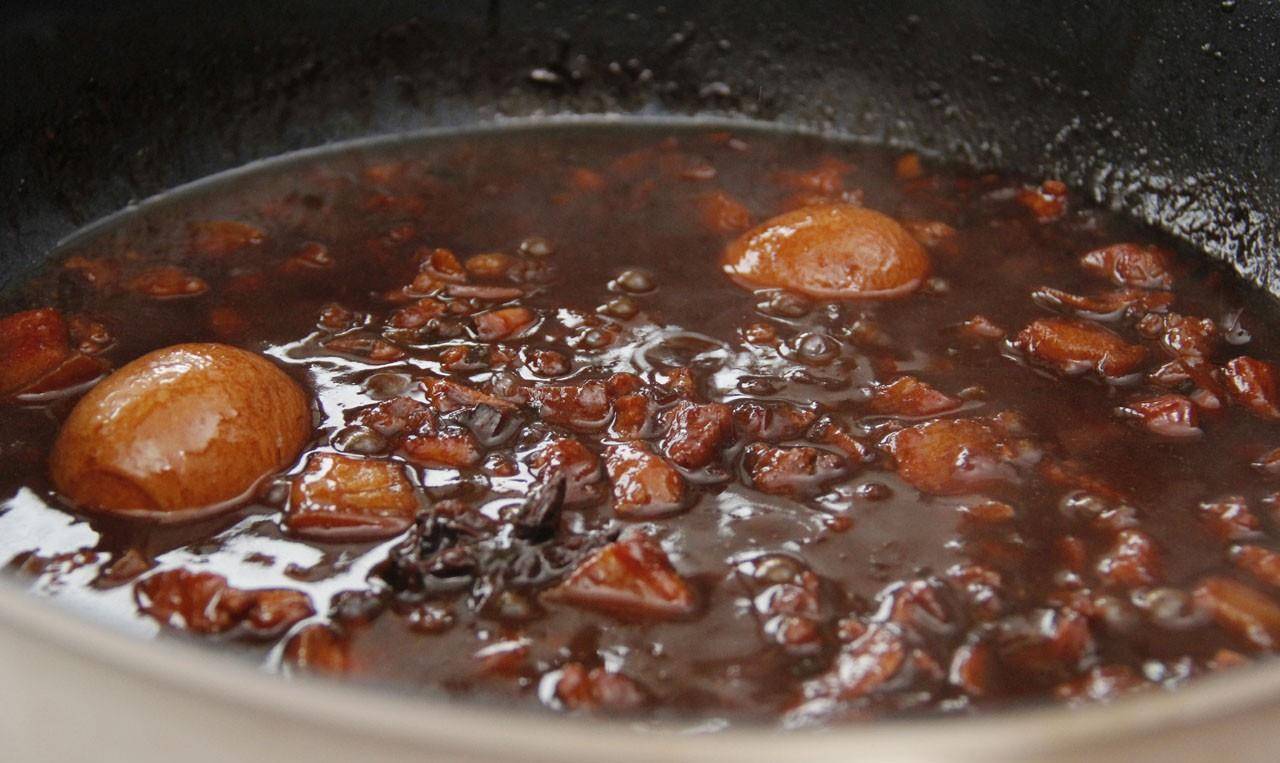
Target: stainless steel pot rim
(476, 730)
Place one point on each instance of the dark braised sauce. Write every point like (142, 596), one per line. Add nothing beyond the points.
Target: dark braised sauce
(561, 458)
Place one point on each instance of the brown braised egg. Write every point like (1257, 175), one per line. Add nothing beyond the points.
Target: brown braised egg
(829, 251)
(183, 428)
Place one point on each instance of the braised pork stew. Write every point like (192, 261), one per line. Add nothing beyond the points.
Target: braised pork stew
(680, 424)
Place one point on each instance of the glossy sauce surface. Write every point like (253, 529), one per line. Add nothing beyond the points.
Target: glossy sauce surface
(566, 455)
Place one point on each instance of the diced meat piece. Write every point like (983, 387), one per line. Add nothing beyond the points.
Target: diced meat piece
(1104, 306)
(1047, 203)
(424, 284)
(596, 690)
(981, 588)
(1073, 347)
(696, 433)
(1171, 375)
(487, 293)
(721, 213)
(319, 649)
(1071, 474)
(203, 602)
(870, 662)
(919, 606)
(503, 323)
(1046, 643)
(785, 597)
(460, 358)
(448, 395)
(1071, 552)
(123, 569)
(630, 416)
(502, 357)
(75, 371)
(228, 323)
(980, 328)
(89, 337)
(973, 669)
(630, 578)
(398, 417)
(570, 459)
(97, 272)
(1101, 684)
(686, 167)
(313, 255)
(335, 317)
(32, 344)
(826, 178)
(505, 657)
(826, 431)
(1252, 384)
(266, 613)
(644, 485)
(908, 167)
(1194, 372)
(416, 315)
(1226, 659)
(621, 384)
(339, 497)
(168, 282)
(490, 265)
(988, 512)
(759, 333)
(1262, 563)
(590, 181)
(580, 406)
(771, 422)
(384, 173)
(908, 396)
(455, 448)
(441, 264)
(1245, 612)
(1102, 513)
(546, 363)
(796, 471)
(1181, 335)
(697, 169)
(1131, 562)
(366, 347)
(878, 659)
(678, 381)
(869, 335)
(1268, 463)
(222, 237)
(935, 236)
(246, 281)
(1171, 416)
(955, 456)
(1230, 518)
(409, 206)
(829, 251)
(1144, 267)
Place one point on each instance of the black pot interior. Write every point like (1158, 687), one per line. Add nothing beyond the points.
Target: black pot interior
(1162, 109)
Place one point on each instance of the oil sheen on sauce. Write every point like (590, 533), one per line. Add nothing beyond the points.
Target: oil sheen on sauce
(1113, 531)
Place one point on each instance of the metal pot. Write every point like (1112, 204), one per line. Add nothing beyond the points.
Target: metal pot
(1163, 109)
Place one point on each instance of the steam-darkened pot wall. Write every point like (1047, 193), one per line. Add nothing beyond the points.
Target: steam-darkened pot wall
(1164, 108)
